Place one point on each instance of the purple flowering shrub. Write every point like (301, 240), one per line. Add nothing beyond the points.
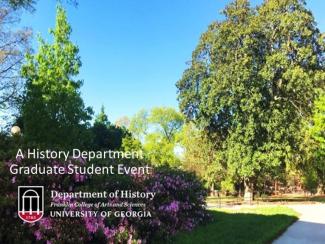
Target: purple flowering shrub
(179, 205)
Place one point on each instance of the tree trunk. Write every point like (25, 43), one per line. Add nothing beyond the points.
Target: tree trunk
(212, 192)
(240, 190)
(249, 195)
(276, 187)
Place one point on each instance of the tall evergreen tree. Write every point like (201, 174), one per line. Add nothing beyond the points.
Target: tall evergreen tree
(53, 112)
(252, 82)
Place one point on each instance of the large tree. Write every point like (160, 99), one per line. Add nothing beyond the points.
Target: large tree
(53, 112)
(251, 84)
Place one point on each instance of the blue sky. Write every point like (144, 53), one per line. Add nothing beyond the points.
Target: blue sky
(134, 51)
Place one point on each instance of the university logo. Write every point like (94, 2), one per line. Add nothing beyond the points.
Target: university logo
(30, 203)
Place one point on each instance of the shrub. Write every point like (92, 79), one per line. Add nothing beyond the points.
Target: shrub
(179, 204)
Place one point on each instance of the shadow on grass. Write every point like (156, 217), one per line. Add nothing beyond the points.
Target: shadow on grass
(238, 228)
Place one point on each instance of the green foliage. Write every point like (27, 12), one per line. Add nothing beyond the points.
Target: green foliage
(160, 144)
(310, 181)
(159, 150)
(168, 121)
(157, 131)
(200, 156)
(139, 124)
(227, 185)
(8, 146)
(53, 113)
(317, 131)
(129, 143)
(250, 84)
(102, 117)
(106, 135)
(315, 145)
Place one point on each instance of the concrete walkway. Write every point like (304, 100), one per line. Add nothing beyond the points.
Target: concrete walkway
(309, 229)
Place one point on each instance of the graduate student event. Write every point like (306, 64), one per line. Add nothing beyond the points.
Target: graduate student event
(77, 169)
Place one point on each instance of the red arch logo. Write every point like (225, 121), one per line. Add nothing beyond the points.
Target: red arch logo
(30, 203)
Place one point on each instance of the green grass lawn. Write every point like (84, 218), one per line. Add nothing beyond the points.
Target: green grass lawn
(250, 225)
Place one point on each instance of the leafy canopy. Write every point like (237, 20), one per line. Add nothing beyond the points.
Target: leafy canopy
(251, 83)
(157, 130)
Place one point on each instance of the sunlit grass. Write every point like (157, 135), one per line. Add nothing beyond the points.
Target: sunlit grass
(248, 225)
